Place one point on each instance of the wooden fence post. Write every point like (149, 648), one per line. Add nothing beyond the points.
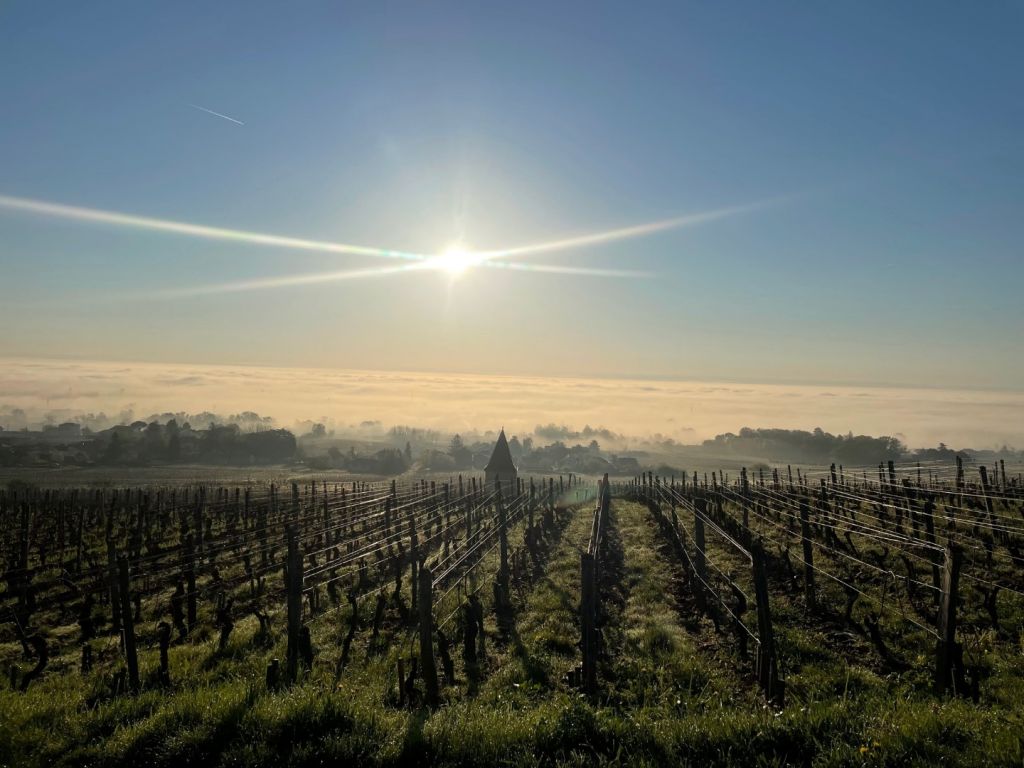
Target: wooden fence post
(426, 587)
(128, 624)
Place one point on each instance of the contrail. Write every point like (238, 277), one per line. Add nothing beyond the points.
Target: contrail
(216, 114)
(194, 230)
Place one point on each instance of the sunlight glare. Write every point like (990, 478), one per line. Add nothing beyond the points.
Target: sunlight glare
(455, 260)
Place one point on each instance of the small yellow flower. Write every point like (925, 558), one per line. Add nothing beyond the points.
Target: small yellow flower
(863, 750)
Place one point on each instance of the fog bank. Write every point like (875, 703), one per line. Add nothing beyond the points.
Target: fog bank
(38, 391)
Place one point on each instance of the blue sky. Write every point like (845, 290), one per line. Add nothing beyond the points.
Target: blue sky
(887, 140)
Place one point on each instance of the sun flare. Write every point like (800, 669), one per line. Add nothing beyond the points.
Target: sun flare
(455, 260)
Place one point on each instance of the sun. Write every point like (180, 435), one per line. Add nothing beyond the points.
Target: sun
(454, 260)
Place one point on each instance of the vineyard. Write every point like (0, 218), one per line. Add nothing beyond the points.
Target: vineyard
(828, 616)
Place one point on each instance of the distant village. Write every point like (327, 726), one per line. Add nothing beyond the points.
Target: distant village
(247, 439)
(254, 443)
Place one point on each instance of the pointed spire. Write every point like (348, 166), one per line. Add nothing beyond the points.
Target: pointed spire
(501, 457)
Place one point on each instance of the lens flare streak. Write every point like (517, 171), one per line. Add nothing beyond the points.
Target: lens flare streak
(97, 216)
(623, 233)
(555, 269)
(286, 281)
(455, 260)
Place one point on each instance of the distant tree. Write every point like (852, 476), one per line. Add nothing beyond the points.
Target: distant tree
(154, 440)
(173, 440)
(390, 462)
(558, 450)
(408, 452)
(173, 446)
(461, 455)
(438, 461)
(270, 446)
(115, 449)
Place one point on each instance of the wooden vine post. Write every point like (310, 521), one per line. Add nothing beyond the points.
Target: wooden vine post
(128, 624)
(986, 489)
(604, 505)
(948, 656)
(414, 561)
(588, 615)
(529, 509)
(929, 528)
(589, 567)
(700, 565)
(294, 602)
(502, 537)
(745, 490)
(426, 590)
(767, 663)
(190, 580)
(115, 600)
(808, 548)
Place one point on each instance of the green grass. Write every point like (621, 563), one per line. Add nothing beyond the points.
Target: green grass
(672, 692)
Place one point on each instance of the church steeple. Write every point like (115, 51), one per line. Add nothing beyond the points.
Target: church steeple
(501, 467)
(501, 457)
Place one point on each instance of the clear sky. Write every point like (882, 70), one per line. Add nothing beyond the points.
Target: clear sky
(865, 162)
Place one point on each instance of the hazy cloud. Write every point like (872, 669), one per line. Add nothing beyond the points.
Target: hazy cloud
(686, 411)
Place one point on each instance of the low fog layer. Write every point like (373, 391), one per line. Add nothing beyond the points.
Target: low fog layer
(34, 392)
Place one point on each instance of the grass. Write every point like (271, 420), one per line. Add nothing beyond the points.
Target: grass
(672, 692)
